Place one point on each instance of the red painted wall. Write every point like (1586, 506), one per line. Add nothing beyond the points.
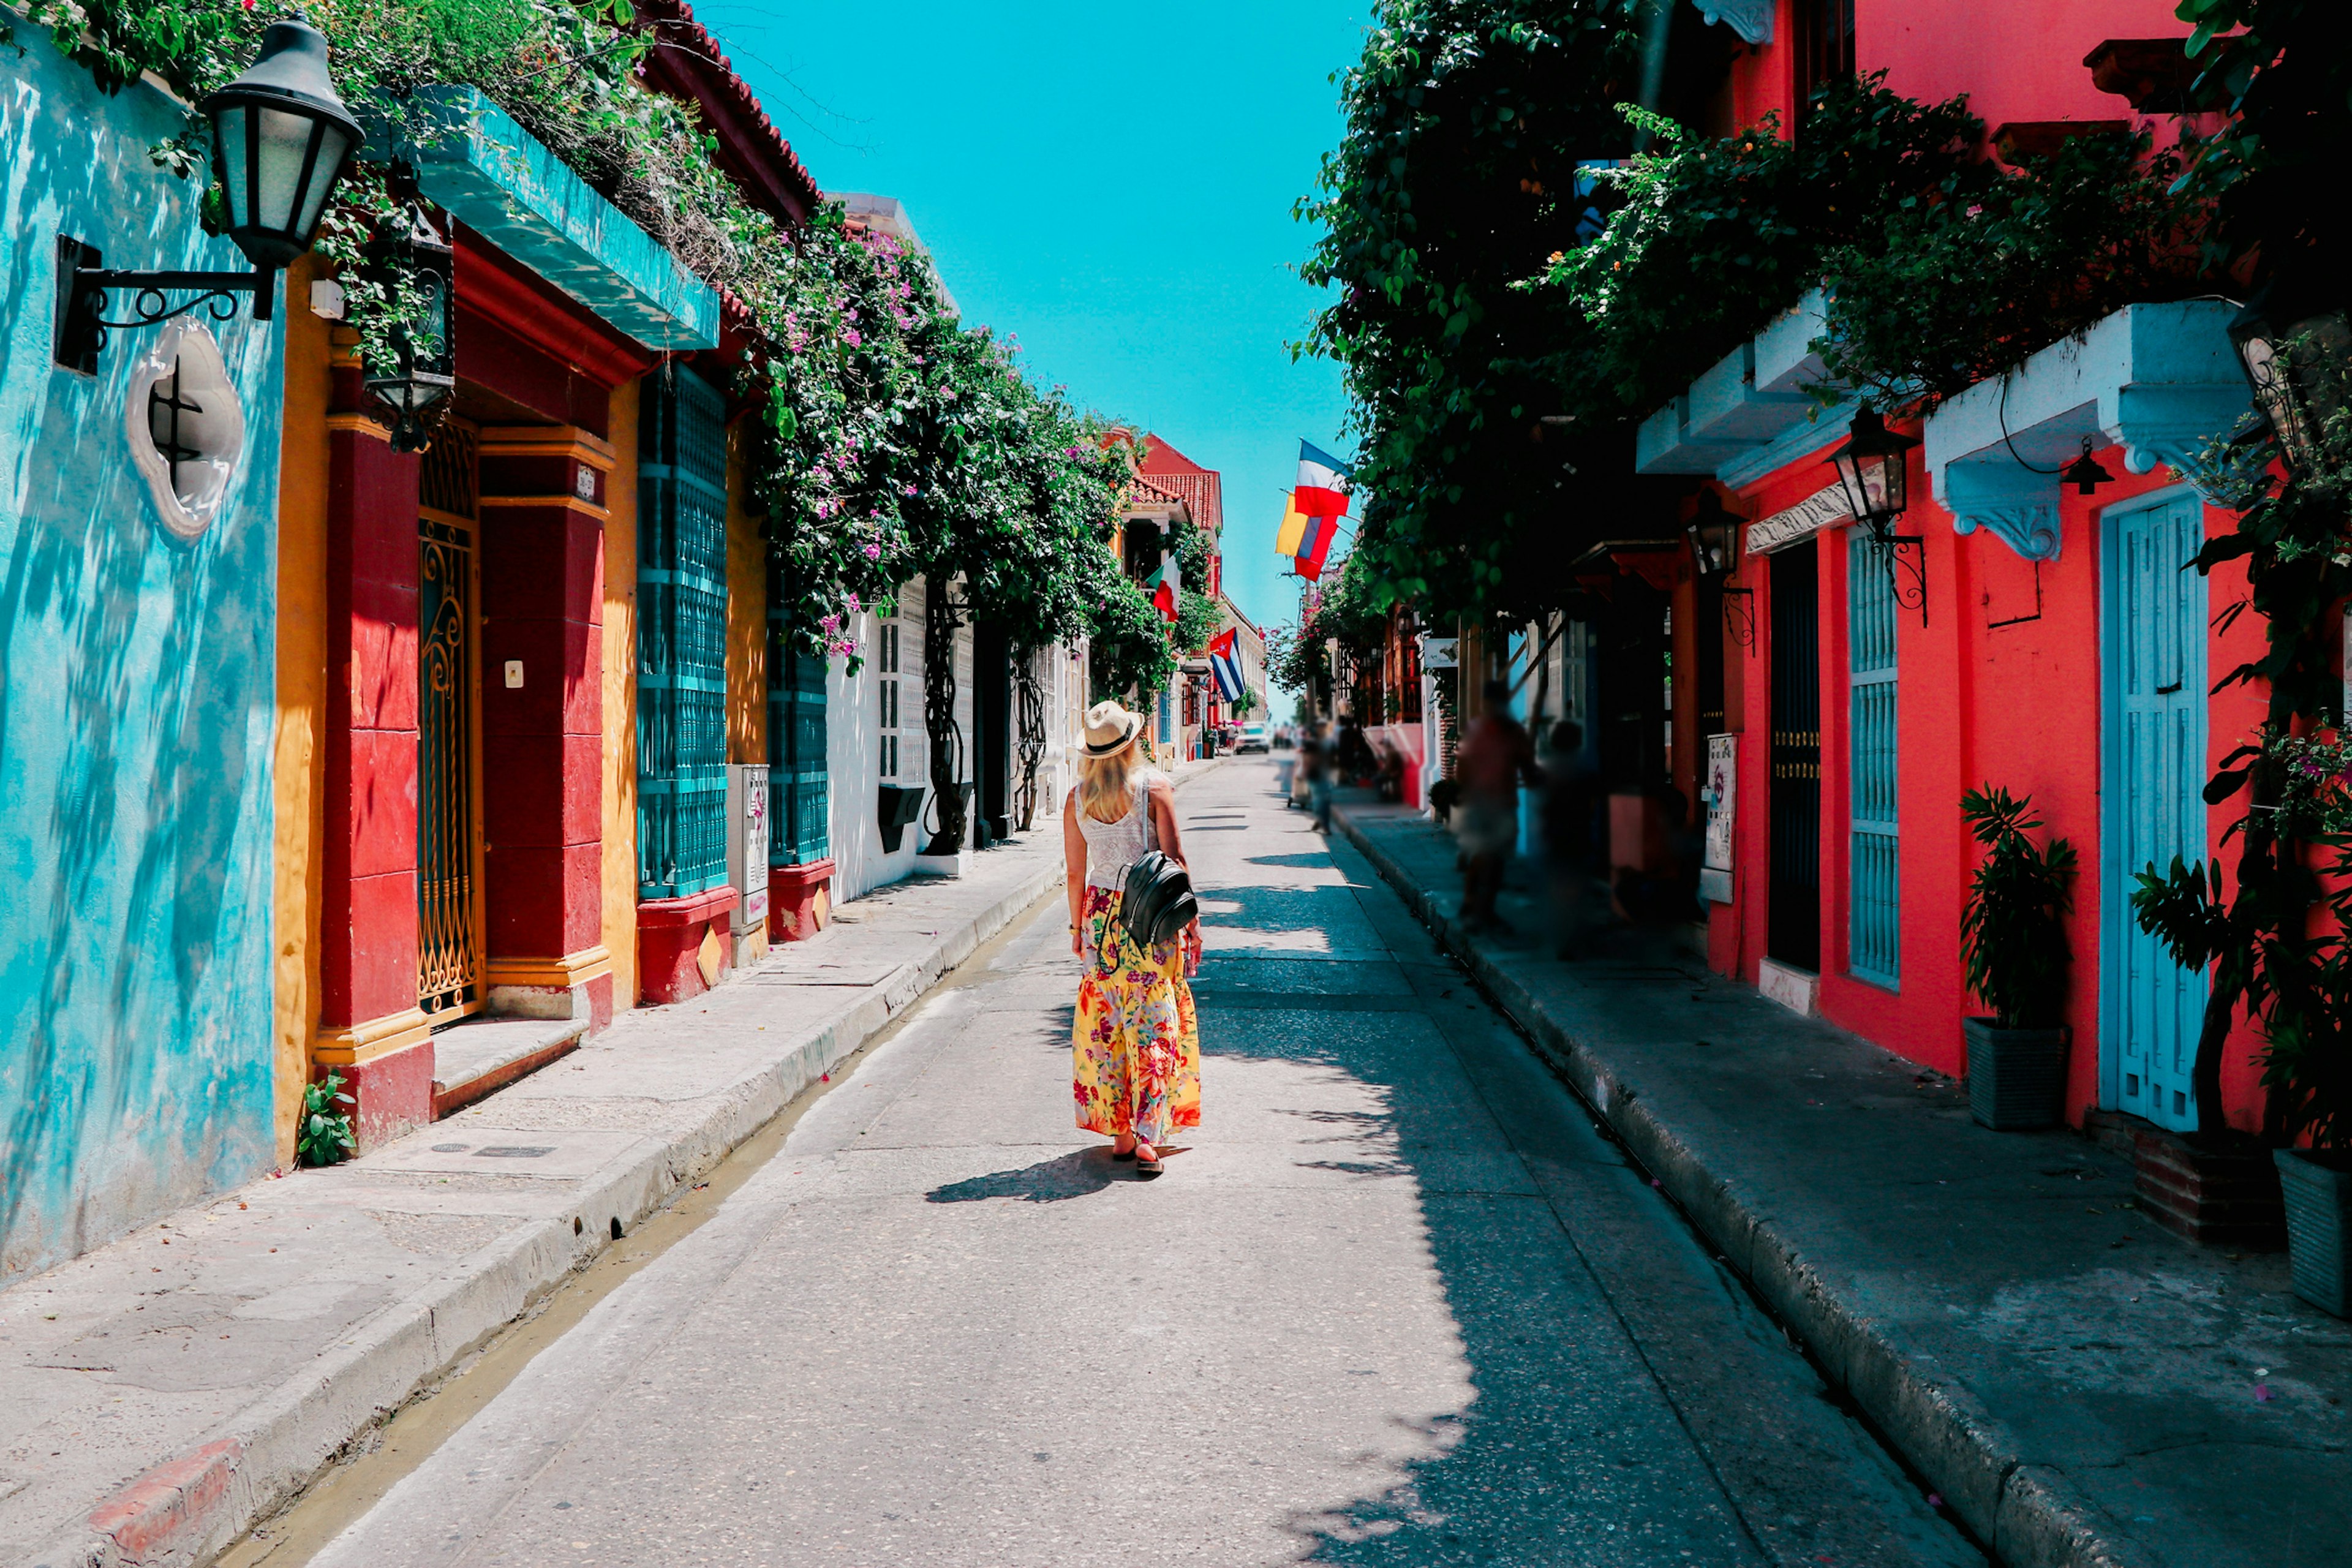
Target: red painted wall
(2002, 687)
(2020, 60)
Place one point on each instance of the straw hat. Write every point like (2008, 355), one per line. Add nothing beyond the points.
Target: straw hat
(1112, 729)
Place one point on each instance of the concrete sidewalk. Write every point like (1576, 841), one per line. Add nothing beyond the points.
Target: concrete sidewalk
(160, 1394)
(2079, 1385)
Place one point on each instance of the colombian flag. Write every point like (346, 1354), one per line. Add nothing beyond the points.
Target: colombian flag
(1322, 488)
(1315, 543)
(1287, 538)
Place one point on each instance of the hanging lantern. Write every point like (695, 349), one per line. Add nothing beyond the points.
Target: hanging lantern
(2085, 473)
(417, 267)
(2296, 346)
(1873, 467)
(281, 139)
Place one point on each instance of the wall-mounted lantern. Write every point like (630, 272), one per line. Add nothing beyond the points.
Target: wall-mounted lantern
(1713, 535)
(413, 258)
(1874, 468)
(2296, 346)
(281, 137)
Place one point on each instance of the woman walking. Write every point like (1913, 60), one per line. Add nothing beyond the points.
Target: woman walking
(1135, 1047)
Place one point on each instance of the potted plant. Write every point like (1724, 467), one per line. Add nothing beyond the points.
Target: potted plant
(2013, 944)
(2307, 1028)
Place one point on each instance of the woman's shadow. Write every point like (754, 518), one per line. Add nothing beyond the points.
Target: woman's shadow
(1070, 1175)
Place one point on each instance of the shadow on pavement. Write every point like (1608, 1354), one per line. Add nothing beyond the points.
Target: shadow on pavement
(1071, 1175)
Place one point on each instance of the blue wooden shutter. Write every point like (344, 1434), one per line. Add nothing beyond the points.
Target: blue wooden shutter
(1877, 881)
(681, 638)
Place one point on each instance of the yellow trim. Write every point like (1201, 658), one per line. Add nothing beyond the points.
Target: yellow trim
(590, 509)
(297, 770)
(571, 969)
(360, 425)
(620, 700)
(549, 441)
(365, 1042)
(747, 611)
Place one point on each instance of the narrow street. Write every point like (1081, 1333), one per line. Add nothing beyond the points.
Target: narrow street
(1398, 1303)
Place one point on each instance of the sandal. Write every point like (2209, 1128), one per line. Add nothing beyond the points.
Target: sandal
(1144, 1168)
(1122, 1153)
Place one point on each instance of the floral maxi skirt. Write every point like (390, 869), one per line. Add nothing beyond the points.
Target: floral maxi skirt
(1135, 1047)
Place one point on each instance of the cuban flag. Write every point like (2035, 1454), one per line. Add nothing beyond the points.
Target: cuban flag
(1322, 488)
(1226, 664)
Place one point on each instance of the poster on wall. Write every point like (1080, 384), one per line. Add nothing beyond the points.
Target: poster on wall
(1722, 802)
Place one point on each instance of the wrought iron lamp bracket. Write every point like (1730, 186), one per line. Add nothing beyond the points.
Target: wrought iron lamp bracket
(1739, 618)
(1906, 571)
(82, 323)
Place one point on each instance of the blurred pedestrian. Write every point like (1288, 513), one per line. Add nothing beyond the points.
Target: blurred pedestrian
(1317, 764)
(1571, 800)
(1136, 1044)
(1494, 757)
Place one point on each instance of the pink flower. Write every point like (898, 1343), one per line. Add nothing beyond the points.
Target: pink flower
(873, 552)
(855, 341)
(854, 607)
(830, 623)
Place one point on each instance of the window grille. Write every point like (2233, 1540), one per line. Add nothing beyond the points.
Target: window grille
(682, 639)
(1875, 875)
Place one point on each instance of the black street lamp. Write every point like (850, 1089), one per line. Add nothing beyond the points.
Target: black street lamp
(2296, 344)
(413, 259)
(1873, 467)
(281, 137)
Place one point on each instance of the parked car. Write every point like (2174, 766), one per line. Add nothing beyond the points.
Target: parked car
(1253, 738)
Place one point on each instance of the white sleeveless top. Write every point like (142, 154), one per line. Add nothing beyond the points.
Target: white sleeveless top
(1113, 846)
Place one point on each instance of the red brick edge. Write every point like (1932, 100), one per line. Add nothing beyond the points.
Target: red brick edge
(169, 1500)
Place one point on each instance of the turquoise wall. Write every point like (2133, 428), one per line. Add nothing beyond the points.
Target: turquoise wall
(136, 700)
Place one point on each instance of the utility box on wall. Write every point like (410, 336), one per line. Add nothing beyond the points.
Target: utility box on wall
(747, 853)
(1722, 797)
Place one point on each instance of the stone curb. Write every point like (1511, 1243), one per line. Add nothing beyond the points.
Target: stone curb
(184, 1511)
(2030, 1515)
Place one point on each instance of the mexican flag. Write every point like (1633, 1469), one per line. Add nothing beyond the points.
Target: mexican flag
(1164, 583)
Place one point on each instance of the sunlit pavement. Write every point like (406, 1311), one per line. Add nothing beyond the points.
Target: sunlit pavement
(1396, 1303)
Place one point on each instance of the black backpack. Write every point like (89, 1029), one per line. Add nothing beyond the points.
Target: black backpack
(1157, 902)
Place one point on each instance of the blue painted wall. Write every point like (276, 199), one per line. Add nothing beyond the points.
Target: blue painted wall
(137, 688)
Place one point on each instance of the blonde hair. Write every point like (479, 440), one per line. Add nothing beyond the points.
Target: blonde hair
(1103, 782)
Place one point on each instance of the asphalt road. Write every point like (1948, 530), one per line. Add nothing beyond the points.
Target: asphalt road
(1397, 1304)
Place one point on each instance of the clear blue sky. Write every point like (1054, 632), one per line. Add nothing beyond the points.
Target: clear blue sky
(1111, 184)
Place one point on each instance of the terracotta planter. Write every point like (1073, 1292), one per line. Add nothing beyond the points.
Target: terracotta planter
(2318, 1189)
(2017, 1078)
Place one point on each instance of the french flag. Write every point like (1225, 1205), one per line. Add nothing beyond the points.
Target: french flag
(1322, 488)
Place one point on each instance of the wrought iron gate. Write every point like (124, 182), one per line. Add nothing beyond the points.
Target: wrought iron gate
(1793, 914)
(448, 925)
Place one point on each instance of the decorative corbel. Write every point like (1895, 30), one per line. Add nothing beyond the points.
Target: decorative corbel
(2017, 505)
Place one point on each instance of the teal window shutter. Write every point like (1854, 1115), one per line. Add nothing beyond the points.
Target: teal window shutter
(800, 804)
(681, 637)
(1875, 878)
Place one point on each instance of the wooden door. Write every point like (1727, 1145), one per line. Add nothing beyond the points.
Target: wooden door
(2150, 1009)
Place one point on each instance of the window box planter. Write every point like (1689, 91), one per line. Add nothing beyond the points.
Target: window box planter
(2017, 1078)
(2318, 1189)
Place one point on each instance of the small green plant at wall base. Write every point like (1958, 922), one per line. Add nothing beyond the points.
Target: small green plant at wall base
(2012, 932)
(325, 1136)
